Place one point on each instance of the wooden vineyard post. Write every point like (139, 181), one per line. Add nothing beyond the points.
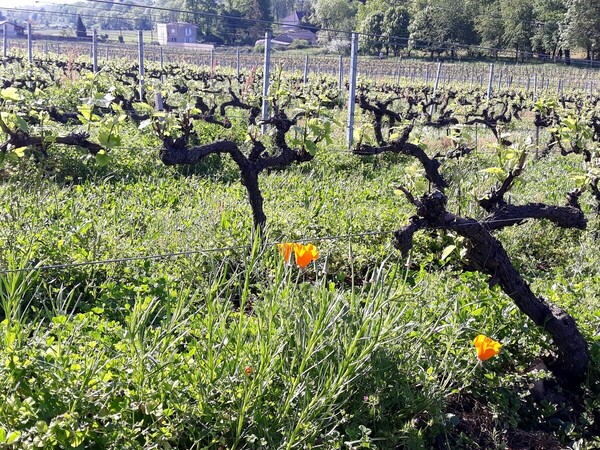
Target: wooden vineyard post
(212, 60)
(141, 62)
(237, 63)
(535, 86)
(95, 50)
(266, 75)
(352, 88)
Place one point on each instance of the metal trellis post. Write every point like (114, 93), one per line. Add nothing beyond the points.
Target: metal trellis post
(305, 79)
(5, 44)
(341, 74)
(95, 50)
(489, 89)
(266, 76)
(436, 85)
(352, 88)
(29, 44)
(141, 62)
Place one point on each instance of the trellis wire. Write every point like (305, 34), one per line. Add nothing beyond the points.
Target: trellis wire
(64, 266)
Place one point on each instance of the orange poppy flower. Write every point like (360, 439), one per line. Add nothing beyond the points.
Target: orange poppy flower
(486, 347)
(248, 371)
(286, 251)
(305, 254)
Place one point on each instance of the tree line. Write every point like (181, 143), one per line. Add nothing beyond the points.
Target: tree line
(546, 28)
(549, 28)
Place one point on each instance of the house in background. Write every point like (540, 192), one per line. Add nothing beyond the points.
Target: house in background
(175, 33)
(292, 22)
(293, 29)
(12, 29)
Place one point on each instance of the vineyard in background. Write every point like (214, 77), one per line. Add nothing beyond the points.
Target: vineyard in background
(146, 305)
(536, 77)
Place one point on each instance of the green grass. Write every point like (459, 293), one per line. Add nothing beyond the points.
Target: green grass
(235, 349)
(136, 354)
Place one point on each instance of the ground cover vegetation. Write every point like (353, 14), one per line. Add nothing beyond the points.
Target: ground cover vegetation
(145, 302)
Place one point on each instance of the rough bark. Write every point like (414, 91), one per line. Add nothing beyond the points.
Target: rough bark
(172, 155)
(486, 254)
(504, 215)
(562, 216)
(596, 193)
(176, 152)
(400, 145)
(491, 121)
(575, 148)
(20, 139)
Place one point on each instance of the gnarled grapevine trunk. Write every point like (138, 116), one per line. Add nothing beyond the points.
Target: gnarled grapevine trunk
(176, 152)
(486, 254)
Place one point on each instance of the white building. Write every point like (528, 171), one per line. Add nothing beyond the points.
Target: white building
(175, 33)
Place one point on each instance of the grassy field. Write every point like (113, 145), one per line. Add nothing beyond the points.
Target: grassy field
(222, 345)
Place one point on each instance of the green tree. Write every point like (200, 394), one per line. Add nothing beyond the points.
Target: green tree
(247, 21)
(581, 25)
(282, 8)
(387, 21)
(372, 26)
(546, 35)
(518, 19)
(335, 14)
(80, 30)
(442, 26)
(395, 25)
(490, 28)
(206, 24)
(144, 21)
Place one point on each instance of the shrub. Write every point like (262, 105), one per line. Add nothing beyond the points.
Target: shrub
(299, 44)
(339, 46)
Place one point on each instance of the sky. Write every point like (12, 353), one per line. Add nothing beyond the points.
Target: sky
(29, 3)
